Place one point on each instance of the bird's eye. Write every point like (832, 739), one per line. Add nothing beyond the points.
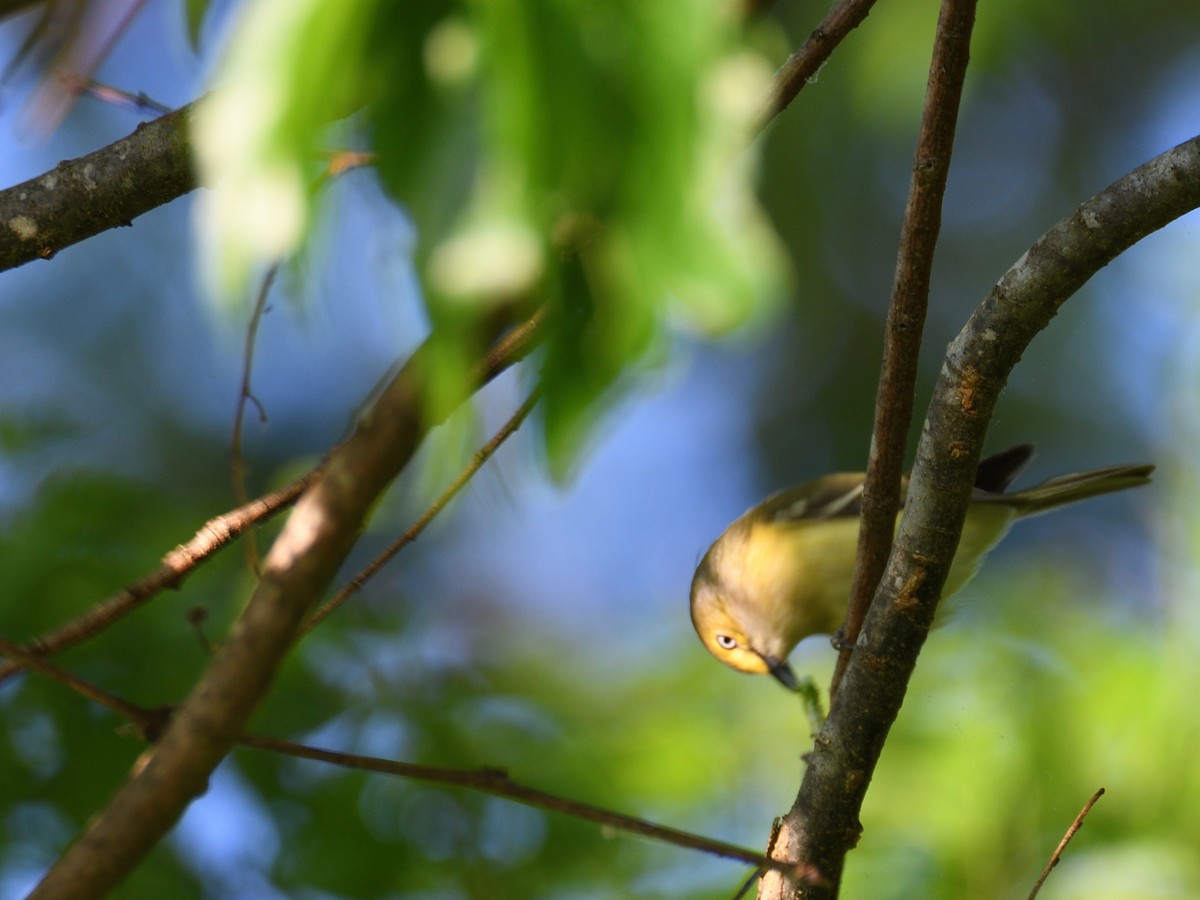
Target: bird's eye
(725, 642)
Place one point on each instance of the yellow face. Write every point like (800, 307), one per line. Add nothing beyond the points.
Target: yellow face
(723, 637)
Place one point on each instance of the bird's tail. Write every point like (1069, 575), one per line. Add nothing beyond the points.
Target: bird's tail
(1065, 489)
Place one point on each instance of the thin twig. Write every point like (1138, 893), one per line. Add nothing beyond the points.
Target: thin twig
(107, 93)
(24, 659)
(341, 161)
(747, 884)
(482, 455)
(801, 67)
(84, 51)
(214, 535)
(1062, 845)
(492, 781)
(237, 463)
(297, 571)
(496, 782)
(906, 315)
(218, 532)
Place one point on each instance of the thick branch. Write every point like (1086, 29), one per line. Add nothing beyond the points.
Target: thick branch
(823, 823)
(906, 312)
(105, 189)
(296, 572)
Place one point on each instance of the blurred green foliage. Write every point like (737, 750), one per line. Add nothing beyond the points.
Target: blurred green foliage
(593, 154)
(590, 157)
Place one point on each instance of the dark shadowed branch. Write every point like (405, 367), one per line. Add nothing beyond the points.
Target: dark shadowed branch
(823, 824)
(296, 572)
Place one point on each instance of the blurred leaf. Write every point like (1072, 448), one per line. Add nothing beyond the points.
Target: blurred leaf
(195, 11)
(292, 69)
(590, 155)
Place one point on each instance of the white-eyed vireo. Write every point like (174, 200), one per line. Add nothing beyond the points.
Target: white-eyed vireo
(782, 571)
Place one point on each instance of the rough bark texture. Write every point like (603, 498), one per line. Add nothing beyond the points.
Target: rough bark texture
(823, 824)
(296, 572)
(82, 197)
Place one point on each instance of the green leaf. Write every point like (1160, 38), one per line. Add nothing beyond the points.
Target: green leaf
(195, 11)
(593, 156)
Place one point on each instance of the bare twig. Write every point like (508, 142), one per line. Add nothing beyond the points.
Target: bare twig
(218, 532)
(297, 570)
(803, 64)
(482, 455)
(107, 93)
(496, 782)
(237, 463)
(906, 314)
(492, 781)
(1062, 845)
(27, 660)
(214, 535)
(84, 49)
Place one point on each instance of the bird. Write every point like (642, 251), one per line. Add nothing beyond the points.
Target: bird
(782, 571)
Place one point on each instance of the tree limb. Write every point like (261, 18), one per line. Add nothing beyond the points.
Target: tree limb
(296, 572)
(823, 823)
(111, 187)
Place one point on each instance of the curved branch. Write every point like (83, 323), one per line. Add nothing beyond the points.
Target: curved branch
(296, 572)
(823, 823)
(106, 189)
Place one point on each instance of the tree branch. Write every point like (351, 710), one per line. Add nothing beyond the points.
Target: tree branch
(105, 189)
(823, 823)
(296, 572)
(494, 781)
(906, 313)
(497, 783)
(482, 455)
(214, 535)
(803, 64)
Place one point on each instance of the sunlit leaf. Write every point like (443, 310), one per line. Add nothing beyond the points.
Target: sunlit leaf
(591, 156)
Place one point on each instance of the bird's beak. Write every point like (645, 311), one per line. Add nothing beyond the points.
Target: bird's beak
(782, 671)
